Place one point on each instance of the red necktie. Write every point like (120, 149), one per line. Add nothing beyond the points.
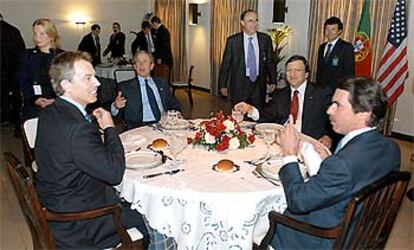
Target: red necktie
(294, 106)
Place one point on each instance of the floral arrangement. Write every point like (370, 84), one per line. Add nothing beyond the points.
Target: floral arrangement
(220, 133)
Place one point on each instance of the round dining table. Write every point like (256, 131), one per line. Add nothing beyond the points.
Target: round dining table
(200, 207)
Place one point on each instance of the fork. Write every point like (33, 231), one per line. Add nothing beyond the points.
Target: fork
(260, 175)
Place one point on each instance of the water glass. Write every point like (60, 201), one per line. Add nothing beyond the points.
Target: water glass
(269, 138)
(237, 115)
(177, 143)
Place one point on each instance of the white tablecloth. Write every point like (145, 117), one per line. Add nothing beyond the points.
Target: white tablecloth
(105, 71)
(201, 208)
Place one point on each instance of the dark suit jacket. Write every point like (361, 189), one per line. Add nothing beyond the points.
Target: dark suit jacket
(33, 63)
(162, 44)
(341, 63)
(322, 200)
(116, 45)
(87, 44)
(132, 113)
(315, 121)
(77, 170)
(140, 43)
(233, 69)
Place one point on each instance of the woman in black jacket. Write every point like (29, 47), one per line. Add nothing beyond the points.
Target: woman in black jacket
(34, 77)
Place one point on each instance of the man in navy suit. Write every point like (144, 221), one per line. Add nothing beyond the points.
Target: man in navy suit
(141, 100)
(363, 156)
(247, 64)
(91, 44)
(143, 41)
(162, 42)
(312, 103)
(116, 42)
(336, 57)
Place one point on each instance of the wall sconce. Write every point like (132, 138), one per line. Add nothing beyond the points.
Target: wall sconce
(193, 14)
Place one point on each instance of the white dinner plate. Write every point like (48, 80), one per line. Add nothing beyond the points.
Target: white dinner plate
(261, 127)
(137, 160)
(271, 168)
(180, 124)
(314, 141)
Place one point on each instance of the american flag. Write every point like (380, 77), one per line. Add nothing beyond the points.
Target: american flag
(393, 66)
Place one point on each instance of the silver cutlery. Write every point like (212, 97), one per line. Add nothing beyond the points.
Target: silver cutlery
(260, 175)
(172, 172)
(164, 156)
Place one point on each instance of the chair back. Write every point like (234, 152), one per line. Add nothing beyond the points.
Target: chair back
(29, 203)
(162, 71)
(372, 212)
(121, 75)
(30, 131)
(190, 75)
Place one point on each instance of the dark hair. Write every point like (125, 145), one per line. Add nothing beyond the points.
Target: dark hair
(95, 26)
(245, 12)
(155, 19)
(366, 95)
(62, 68)
(145, 25)
(299, 58)
(333, 20)
(116, 23)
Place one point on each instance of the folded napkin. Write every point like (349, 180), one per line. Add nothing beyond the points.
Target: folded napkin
(311, 158)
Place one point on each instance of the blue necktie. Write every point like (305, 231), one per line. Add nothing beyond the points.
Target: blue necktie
(152, 102)
(251, 61)
(328, 53)
(88, 118)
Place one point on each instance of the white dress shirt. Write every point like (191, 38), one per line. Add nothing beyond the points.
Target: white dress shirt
(255, 42)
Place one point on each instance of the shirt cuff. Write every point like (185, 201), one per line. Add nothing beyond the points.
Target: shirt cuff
(289, 159)
(114, 110)
(254, 114)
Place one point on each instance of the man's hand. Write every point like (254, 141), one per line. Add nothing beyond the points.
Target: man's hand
(320, 150)
(103, 118)
(223, 92)
(290, 139)
(270, 88)
(326, 140)
(120, 101)
(44, 102)
(243, 107)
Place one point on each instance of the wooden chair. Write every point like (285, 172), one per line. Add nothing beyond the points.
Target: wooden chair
(37, 217)
(162, 71)
(185, 85)
(372, 211)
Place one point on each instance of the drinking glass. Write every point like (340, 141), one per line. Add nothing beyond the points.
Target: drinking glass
(269, 138)
(237, 115)
(177, 143)
(173, 116)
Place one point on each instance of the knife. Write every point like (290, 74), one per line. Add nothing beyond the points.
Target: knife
(175, 171)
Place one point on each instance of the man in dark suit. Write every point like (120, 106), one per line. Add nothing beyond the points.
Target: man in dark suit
(312, 103)
(116, 42)
(362, 157)
(78, 172)
(12, 45)
(247, 63)
(90, 43)
(143, 41)
(142, 100)
(162, 42)
(336, 57)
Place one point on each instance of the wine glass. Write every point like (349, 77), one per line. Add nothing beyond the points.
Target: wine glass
(268, 138)
(177, 143)
(173, 116)
(237, 115)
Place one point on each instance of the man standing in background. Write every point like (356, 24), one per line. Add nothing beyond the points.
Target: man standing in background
(247, 63)
(116, 42)
(336, 58)
(143, 41)
(90, 43)
(162, 42)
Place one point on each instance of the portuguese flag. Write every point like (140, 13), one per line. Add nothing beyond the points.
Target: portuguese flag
(362, 45)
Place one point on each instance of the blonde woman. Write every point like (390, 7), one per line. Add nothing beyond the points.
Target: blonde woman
(34, 77)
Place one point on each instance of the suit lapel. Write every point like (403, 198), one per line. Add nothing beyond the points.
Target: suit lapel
(239, 46)
(136, 91)
(307, 104)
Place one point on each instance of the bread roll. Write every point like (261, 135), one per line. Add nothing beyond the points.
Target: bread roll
(159, 144)
(225, 166)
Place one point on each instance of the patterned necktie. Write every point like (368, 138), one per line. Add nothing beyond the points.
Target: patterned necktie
(251, 61)
(98, 46)
(294, 106)
(152, 101)
(88, 118)
(328, 53)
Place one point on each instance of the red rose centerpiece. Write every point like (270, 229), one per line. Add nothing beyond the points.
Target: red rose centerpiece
(220, 133)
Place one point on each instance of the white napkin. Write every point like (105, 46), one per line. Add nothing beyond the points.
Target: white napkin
(311, 158)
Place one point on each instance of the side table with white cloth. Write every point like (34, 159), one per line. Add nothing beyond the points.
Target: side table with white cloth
(105, 74)
(199, 207)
